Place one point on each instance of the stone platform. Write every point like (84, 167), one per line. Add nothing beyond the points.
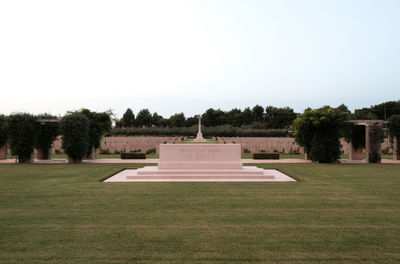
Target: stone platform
(199, 163)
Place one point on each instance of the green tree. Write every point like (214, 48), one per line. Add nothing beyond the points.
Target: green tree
(158, 120)
(191, 121)
(381, 111)
(213, 117)
(177, 120)
(128, 119)
(319, 131)
(234, 117)
(3, 130)
(144, 118)
(23, 131)
(247, 116)
(279, 117)
(48, 133)
(258, 114)
(74, 128)
(99, 125)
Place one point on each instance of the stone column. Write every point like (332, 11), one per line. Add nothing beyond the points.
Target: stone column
(395, 155)
(355, 154)
(3, 152)
(367, 142)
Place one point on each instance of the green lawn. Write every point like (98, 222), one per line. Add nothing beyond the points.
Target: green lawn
(342, 213)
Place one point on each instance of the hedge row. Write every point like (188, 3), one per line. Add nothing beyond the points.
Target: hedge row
(263, 155)
(133, 155)
(218, 131)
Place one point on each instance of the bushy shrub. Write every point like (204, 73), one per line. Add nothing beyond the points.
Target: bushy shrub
(319, 131)
(133, 155)
(151, 151)
(3, 130)
(74, 128)
(23, 131)
(99, 125)
(264, 155)
(48, 133)
(355, 134)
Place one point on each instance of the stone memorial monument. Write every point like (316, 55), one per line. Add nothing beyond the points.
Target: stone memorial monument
(199, 137)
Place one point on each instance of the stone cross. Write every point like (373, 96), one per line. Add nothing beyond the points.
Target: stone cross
(199, 117)
(199, 137)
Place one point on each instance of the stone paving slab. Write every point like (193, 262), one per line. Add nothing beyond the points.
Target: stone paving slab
(131, 175)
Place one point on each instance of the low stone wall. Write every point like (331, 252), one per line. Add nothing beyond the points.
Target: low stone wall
(253, 144)
(127, 144)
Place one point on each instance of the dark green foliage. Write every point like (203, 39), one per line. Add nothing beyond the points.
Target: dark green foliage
(319, 131)
(213, 117)
(128, 119)
(144, 118)
(264, 155)
(158, 120)
(191, 121)
(355, 134)
(23, 132)
(394, 129)
(219, 131)
(133, 155)
(48, 133)
(279, 117)
(381, 111)
(376, 137)
(246, 116)
(177, 120)
(234, 117)
(3, 130)
(99, 125)
(258, 114)
(74, 128)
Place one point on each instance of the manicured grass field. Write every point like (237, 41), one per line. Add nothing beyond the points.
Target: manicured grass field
(342, 213)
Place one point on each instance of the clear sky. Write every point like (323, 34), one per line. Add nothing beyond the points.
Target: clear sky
(187, 56)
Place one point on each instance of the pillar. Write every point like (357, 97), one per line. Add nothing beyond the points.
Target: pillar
(355, 154)
(3, 152)
(367, 142)
(395, 155)
(42, 155)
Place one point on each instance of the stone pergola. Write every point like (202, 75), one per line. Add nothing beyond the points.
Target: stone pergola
(357, 154)
(40, 154)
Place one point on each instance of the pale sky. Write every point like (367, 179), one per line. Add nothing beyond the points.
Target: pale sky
(188, 56)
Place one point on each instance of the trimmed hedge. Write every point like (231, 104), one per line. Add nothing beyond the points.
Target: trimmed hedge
(264, 155)
(23, 132)
(133, 155)
(74, 128)
(217, 131)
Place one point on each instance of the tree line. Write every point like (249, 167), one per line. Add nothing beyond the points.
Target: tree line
(258, 117)
(317, 130)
